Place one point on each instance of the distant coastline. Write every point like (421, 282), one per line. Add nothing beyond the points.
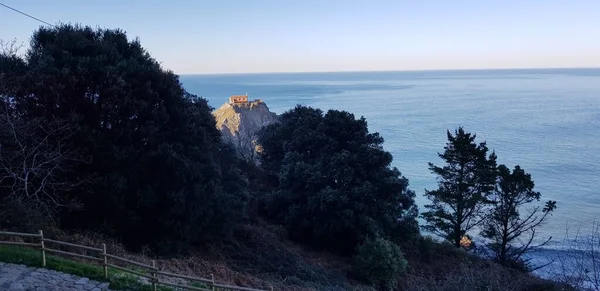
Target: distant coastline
(396, 71)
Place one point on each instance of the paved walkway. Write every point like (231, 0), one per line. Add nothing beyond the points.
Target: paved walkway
(21, 277)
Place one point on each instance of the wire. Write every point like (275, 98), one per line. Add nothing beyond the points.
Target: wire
(13, 9)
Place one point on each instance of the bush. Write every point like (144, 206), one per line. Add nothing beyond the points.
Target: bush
(379, 262)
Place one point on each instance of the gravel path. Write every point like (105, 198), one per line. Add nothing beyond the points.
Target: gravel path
(21, 277)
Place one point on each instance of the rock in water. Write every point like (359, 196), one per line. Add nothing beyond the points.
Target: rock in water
(240, 122)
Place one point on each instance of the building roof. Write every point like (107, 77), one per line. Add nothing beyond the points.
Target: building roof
(239, 96)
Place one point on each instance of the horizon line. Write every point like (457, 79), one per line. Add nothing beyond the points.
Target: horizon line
(392, 71)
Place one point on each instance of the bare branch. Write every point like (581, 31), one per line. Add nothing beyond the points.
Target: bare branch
(11, 47)
(35, 161)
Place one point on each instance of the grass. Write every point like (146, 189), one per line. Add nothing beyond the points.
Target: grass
(118, 280)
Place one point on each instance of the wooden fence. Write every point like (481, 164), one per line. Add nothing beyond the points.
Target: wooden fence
(104, 258)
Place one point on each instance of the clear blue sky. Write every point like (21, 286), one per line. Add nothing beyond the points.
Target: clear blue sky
(227, 36)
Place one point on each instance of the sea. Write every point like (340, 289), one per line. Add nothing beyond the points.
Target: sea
(545, 120)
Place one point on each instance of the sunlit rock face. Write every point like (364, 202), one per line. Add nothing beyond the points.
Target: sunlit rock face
(239, 122)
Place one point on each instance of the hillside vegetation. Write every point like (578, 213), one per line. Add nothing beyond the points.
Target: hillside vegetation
(97, 138)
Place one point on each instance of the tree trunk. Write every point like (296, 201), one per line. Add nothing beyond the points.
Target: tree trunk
(457, 239)
(502, 258)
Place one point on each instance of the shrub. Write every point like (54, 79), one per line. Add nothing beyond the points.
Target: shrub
(379, 262)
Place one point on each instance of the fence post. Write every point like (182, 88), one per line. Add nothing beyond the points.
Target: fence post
(154, 275)
(212, 278)
(43, 249)
(105, 263)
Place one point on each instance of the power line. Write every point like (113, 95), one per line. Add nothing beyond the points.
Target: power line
(33, 17)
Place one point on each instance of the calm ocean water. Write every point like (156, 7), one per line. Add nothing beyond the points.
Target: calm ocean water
(547, 121)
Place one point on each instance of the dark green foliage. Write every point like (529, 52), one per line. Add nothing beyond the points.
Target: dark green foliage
(161, 176)
(465, 184)
(336, 185)
(11, 69)
(510, 230)
(379, 262)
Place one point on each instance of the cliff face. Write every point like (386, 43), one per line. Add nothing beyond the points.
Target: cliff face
(240, 123)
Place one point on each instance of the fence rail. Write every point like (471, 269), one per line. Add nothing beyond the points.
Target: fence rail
(103, 259)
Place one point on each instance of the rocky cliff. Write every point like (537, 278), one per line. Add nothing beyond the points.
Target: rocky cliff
(240, 123)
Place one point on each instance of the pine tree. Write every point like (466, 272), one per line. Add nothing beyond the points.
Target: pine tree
(465, 184)
(505, 225)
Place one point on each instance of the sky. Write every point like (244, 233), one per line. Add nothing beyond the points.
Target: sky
(251, 36)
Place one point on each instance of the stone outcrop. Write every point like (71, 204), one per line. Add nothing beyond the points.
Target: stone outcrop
(239, 124)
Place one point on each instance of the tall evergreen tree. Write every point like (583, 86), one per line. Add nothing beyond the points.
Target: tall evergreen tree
(510, 230)
(465, 183)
